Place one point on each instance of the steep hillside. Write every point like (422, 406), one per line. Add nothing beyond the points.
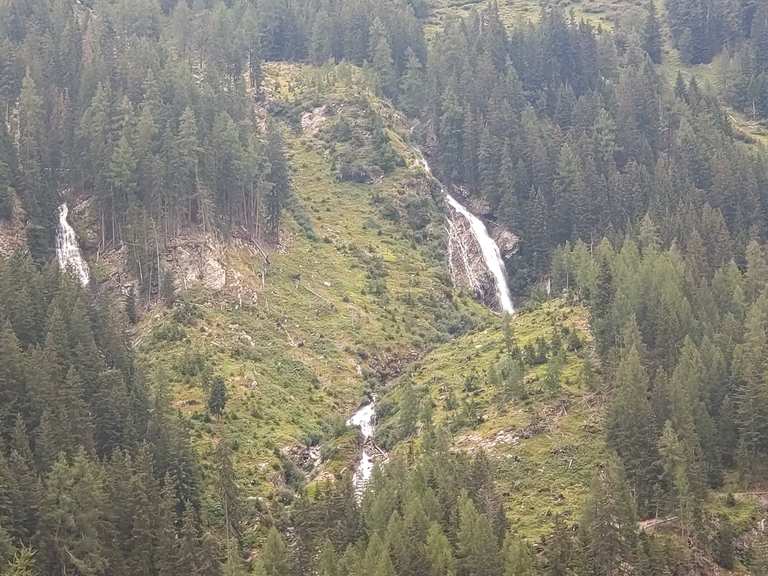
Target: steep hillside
(283, 230)
(542, 433)
(357, 288)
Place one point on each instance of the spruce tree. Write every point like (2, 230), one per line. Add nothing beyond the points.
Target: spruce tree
(439, 554)
(477, 547)
(538, 231)
(189, 548)
(217, 398)
(122, 183)
(380, 54)
(279, 177)
(560, 552)
(609, 522)
(652, 37)
(6, 191)
(450, 134)
(569, 195)
(328, 562)
(519, 559)
(409, 410)
(750, 368)
(75, 518)
(601, 306)
(22, 486)
(412, 85)
(676, 459)
(31, 150)
(631, 427)
(275, 559)
(756, 277)
(186, 159)
(14, 395)
(229, 495)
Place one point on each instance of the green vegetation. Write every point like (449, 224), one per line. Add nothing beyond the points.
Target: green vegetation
(92, 454)
(339, 309)
(595, 130)
(603, 13)
(544, 447)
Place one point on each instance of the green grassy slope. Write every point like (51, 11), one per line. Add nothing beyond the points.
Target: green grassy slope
(339, 307)
(545, 447)
(515, 12)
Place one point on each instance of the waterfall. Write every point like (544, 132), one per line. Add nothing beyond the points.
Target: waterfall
(365, 416)
(490, 250)
(67, 250)
(364, 419)
(491, 254)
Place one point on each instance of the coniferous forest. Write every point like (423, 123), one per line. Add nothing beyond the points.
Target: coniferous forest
(625, 159)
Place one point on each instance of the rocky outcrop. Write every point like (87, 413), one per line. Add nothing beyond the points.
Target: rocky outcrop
(313, 121)
(198, 260)
(507, 241)
(12, 236)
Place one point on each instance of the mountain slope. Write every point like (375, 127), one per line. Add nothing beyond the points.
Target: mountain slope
(544, 439)
(350, 294)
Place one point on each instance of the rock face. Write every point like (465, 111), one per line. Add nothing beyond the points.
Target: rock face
(475, 260)
(312, 122)
(507, 242)
(199, 260)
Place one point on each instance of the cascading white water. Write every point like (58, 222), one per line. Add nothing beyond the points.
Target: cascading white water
(364, 419)
(67, 249)
(490, 250)
(491, 254)
(365, 416)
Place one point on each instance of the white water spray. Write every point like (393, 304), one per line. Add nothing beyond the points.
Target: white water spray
(67, 250)
(364, 419)
(488, 247)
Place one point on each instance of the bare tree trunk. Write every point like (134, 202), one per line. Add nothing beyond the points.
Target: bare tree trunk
(157, 253)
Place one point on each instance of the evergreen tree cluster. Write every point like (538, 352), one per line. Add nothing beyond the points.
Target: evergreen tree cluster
(682, 333)
(738, 31)
(701, 28)
(636, 196)
(96, 473)
(570, 134)
(358, 31)
(745, 70)
(437, 514)
(145, 106)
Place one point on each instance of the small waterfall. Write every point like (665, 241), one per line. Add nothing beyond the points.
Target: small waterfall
(364, 419)
(491, 254)
(490, 250)
(67, 249)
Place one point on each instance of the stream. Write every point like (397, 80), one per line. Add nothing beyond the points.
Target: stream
(365, 417)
